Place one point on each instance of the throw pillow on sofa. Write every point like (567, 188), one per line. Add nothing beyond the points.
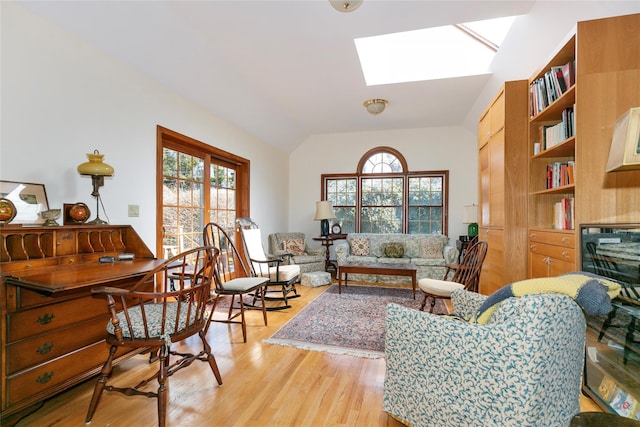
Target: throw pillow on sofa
(393, 250)
(294, 247)
(360, 247)
(432, 249)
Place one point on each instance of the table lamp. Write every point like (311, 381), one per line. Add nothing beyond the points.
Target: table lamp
(471, 217)
(97, 170)
(324, 212)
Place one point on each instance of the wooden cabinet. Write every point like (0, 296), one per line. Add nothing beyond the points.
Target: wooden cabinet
(551, 252)
(606, 59)
(503, 156)
(53, 328)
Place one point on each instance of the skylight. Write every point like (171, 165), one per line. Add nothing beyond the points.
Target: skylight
(432, 53)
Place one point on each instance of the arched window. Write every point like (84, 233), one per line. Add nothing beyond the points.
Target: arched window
(383, 196)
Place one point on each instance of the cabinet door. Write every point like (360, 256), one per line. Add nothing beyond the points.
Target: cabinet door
(538, 265)
(492, 276)
(558, 267)
(496, 179)
(484, 171)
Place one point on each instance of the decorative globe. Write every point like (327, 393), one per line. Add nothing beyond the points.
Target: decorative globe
(79, 213)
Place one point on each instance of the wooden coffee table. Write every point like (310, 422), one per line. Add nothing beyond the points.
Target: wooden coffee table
(407, 270)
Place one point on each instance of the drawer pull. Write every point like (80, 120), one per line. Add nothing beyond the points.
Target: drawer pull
(565, 254)
(565, 240)
(46, 319)
(45, 348)
(45, 378)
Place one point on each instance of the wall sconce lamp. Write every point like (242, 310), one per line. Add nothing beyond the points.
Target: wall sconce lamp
(471, 217)
(97, 170)
(624, 153)
(375, 106)
(345, 6)
(324, 212)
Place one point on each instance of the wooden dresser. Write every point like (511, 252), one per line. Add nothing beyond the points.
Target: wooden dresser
(52, 327)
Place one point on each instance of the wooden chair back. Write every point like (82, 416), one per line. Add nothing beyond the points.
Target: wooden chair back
(468, 272)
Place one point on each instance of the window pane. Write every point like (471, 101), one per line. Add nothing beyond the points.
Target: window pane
(379, 206)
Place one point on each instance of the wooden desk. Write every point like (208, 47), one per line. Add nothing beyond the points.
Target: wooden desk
(407, 270)
(53, 328)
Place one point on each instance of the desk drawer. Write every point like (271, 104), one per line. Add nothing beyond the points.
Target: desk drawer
(567, 240)
(26, 323)
(86, 361)
(557, 252)
(39, 349)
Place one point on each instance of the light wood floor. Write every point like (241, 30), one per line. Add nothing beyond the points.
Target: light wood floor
(263, 385)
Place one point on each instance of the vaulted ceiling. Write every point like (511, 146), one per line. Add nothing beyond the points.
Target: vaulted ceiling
(284, 70)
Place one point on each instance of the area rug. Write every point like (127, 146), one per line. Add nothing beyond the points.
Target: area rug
(350, 323)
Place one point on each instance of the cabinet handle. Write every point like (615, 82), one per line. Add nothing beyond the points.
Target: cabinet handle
(565, 254)
(547, 260)
(532, 247)
(45, 348)
(565, 240)
(532, 235)
(45, 378)
(46, 319)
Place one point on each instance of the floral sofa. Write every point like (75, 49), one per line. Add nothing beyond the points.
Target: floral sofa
(294, 243)
(522, 368)
(429, 252)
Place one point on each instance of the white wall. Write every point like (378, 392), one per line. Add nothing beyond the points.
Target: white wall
(444, 148)
(62, 98)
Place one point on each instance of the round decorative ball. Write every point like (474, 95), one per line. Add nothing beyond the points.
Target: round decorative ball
(79, 213)
(7, 211)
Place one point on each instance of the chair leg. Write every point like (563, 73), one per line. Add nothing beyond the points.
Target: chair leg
(244, 324)
(424, 302)
(162, 386)
(102, 381)
(213, 308)
(264, 308)
(210, 358)
(433, 304)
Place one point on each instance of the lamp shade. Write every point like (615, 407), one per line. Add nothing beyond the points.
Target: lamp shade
(470, 214)
(324, 210)
(624, 153)
(95, 166)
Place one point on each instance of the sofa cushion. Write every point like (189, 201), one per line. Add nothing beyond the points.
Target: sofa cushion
(393, 250)
(360, 247)
(432, 248)
(294, 246)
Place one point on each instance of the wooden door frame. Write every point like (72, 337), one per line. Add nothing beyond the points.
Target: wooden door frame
(171, 139)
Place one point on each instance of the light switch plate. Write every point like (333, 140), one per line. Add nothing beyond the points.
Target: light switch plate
(134, 210)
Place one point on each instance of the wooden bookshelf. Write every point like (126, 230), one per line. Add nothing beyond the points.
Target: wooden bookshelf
(606, 62)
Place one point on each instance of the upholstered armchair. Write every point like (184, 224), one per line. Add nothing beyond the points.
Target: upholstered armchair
(522, 368)
(294, 243)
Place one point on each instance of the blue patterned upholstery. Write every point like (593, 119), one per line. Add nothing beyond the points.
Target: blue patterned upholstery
(153, 314)
(523, 368)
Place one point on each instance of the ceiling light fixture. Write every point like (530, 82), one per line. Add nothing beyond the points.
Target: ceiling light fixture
(375, 106)
(345, 6)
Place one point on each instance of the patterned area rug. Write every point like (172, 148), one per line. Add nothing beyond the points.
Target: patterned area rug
(350, 323)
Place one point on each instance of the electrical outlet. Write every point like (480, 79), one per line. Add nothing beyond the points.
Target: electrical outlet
(134, 211)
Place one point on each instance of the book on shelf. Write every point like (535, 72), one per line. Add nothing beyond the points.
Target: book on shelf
(563, 214)
(623, 403)
(552, 135)
(606, 388)
(544, 90)
(568, 72)
(560, 174)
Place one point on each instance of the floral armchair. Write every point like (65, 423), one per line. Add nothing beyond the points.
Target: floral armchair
(522, 368)
(294, 243)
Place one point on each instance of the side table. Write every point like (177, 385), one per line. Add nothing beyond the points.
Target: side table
(327, 242)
